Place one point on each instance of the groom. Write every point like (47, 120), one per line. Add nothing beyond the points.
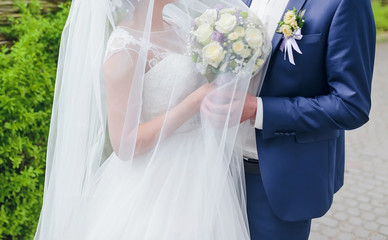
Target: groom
(302, 112)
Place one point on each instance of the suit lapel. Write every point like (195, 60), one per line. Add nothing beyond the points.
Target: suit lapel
(298, 4)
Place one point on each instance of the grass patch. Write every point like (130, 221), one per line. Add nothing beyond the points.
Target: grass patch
(381, 16)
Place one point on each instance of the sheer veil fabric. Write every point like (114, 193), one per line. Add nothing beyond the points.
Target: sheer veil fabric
(133, 152)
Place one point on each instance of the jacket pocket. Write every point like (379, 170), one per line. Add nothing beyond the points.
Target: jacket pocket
(311, 38)
(315, 137)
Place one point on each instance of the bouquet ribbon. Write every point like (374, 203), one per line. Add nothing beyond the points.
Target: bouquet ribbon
(290, 44)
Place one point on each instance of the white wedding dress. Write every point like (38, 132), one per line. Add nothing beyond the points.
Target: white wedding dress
(168, 195)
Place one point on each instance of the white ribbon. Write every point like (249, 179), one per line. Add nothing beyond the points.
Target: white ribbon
(289, 44)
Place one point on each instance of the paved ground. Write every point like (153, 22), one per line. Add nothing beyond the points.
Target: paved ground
(360, 209)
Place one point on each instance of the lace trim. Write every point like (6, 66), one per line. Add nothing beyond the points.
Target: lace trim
(121, 39)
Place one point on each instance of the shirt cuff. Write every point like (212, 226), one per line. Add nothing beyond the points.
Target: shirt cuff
(259, 114)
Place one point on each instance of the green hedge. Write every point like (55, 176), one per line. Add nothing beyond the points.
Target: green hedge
(381, 16)
(27, 78)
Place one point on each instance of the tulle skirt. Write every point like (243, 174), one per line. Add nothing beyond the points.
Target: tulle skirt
(172, 193)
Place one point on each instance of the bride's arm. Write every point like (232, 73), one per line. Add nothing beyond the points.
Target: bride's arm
(149, 132)
(119, 74)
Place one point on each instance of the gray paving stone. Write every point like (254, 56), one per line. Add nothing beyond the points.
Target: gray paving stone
(371, 226)
(345, 236)
(331, 232)
(378, 237)
(361, 233)
(382, 221)
(346, 228)
(365, 207)
(384, 230)
(368, 216)
(329, 221)
(355, 221)
(354, 212)
(318, 236)
(340, 216)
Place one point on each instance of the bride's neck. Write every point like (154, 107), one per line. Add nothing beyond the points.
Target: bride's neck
(158, 23)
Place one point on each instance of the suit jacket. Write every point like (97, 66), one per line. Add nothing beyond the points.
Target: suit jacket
(307, 107)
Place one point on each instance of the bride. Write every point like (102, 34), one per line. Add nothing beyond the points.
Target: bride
(132, 152)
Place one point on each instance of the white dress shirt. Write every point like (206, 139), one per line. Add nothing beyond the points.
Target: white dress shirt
(270, 13)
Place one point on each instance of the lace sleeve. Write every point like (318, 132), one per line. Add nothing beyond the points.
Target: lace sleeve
(121, 40)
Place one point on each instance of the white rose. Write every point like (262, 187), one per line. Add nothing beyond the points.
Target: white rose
(240, 31)
(289, 17)
(254, 37)
(239, 48)
(233, 36)
(208, 17)
(226, 23)
(213, 53)
(204, 33)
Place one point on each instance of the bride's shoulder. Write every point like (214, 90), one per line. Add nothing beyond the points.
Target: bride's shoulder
(122, 36)
(121, 39)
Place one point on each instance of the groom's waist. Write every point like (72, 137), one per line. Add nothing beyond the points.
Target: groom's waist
(251, 166)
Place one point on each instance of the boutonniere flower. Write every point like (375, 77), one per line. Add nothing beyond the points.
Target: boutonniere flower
(291, 28)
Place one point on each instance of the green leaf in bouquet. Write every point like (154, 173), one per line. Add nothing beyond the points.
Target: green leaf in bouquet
(233, 64)
(210, 74)
(214, 70)
(300, 23)
(194, 57)
(244, 14)
(301, 14)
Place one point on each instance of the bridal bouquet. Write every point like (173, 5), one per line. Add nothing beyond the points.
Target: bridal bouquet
(225, 40)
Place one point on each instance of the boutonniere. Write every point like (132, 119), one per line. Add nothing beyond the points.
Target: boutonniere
(291, 28)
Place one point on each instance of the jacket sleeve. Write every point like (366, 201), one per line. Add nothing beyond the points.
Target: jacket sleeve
(349, 65)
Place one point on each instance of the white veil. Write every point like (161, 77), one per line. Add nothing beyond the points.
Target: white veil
(132, 152)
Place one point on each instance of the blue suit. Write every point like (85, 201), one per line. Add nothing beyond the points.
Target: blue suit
(307, 107)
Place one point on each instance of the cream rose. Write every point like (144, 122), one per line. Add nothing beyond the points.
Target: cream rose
(289, 17)
(203, 33)
(294, 24)
(239, 47)
(254, 38)
(226, 23)
(286, 30)
(208, 17)
(213, 53)
(233, 36)
(240, 31)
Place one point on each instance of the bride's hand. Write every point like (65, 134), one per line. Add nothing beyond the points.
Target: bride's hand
(222, 106)
(198, 95)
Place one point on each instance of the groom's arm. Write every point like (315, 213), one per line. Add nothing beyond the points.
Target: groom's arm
(349, 62)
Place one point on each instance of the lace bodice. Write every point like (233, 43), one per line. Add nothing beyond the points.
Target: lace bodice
(170, 79)
(167, 84)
